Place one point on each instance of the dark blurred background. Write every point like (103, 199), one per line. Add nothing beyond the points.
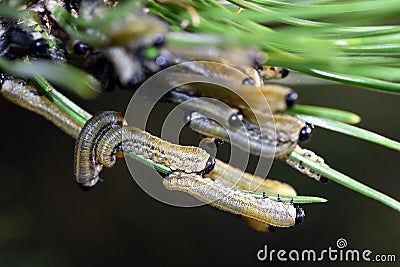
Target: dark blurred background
(46, 220)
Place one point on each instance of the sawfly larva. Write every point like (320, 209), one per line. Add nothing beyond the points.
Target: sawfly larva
(235, 201)
(106, 136)
(303, 169)
(258, 140)
(26, 96)
(238, 87)
(209, 107)
(86, 164)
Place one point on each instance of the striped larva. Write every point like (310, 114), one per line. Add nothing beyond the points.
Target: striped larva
(303, 169)
(239, 87)
(86, 164)
(106, 136)
(209, 107)
(235, 201)
(231, 176)
(26, 96)
(259, 141)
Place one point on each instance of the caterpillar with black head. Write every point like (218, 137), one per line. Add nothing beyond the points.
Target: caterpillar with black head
(258, 140)
(235, 201)
(304, 169)
(240, 87)
(106, 135)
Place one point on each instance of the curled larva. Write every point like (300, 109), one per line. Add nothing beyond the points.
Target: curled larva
(303, 169)
(235, 201)
(258, 140)
(26, 96)
(106, 136)
(86, 164)
(209, 107)
(231, 176)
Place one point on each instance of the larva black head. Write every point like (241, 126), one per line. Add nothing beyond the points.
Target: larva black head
(284, 73)
(81, 49)
(162, 61)
(291, 99)
(305, 132)
(248, 81)
(300, 214)
(235, 120)
(40, 47)
(209, 165)
(159, 40)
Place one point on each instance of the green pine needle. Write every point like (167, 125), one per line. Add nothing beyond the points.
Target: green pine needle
(350, 130)
(345, 180)
(327, 113)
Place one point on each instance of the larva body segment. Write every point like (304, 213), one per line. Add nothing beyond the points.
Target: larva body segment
(23, 95)
(239, 87)
(233, 177)
(209, 107)
(86, 164)
(235, 201)
(185, 158)
(304, 169)
(250, 137)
